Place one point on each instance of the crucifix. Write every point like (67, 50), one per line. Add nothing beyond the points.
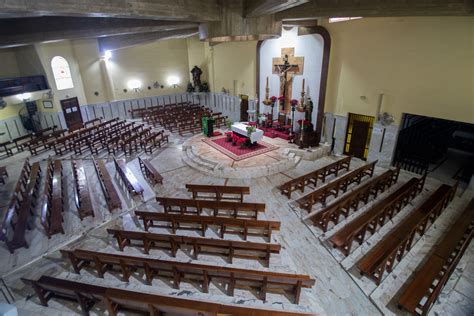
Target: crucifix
(286, 67)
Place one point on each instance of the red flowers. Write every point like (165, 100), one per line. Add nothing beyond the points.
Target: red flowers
(294, 102)
(235, 138)
(304, 122)
(241, 142)
(273, 99)
(281, 98)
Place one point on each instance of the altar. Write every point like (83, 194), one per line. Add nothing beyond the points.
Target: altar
(241, 129)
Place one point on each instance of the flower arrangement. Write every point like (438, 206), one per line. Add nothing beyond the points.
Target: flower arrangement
(242, 142)
(235, 139)
(294, 102)
(303, 122)
(281, 98)
(228, 123)
(228, 136)
(273, 99)
(250, 130)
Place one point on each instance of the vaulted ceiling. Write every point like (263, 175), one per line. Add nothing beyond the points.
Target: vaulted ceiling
(123, 23)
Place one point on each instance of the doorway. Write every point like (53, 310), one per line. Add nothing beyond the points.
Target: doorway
(72, 113)
(358, 134)
(244, 107)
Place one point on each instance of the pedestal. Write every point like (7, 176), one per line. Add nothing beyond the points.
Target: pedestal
(310, 139)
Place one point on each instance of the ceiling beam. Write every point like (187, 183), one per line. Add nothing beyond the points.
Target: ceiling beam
(124, 41)
(187, 10)
(380, 8)
(255, 8)
(27, 31)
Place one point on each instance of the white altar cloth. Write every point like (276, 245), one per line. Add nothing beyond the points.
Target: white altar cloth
(241, 128)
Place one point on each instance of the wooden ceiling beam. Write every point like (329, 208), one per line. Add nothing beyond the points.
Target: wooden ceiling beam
(183, 10)
(27, 31)
(378, 8)
(124, 41)
(255, 8)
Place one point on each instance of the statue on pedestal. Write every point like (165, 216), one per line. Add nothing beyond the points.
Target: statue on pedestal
(196, 72)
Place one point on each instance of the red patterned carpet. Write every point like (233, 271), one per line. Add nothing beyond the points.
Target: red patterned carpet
(235, 152)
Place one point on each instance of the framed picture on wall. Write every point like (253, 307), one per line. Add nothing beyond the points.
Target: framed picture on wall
(47, 104)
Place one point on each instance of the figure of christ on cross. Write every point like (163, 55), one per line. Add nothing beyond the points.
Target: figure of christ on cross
(286, 67)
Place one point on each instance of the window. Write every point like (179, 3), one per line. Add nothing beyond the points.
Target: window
(61, 72)
(334, 20)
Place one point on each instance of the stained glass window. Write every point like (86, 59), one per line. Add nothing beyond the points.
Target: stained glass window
(62, 73)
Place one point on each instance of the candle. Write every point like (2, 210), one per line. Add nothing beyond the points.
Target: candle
(267, 82)
(303, 85)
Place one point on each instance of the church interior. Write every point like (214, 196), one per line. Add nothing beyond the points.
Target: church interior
(265, 157)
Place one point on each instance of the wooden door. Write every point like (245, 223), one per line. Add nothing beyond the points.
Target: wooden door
(244, 107)
(72, 113)
(358, 133)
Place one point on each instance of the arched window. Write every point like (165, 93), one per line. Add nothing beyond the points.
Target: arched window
(62, 73)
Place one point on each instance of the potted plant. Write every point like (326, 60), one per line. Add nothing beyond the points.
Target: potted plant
(242, 142)
(228, 124)
(250, 130)
(235, 139)
(228, 136)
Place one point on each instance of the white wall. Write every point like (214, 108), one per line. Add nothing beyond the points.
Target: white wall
(308, 46)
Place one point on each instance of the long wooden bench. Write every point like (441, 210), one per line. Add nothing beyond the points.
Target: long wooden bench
(265, 281)
(351, 200)
(245, 227)
(127, 177)
(218, 192)
(421, 292)
(150, 172)
(111, 195)
(219, 208)
(230, 248)
(399, 240)
(82, 196)
(88, 295)
(377, 215)
(52, 208)
(312, 177)
(336, 186)
(21, 207)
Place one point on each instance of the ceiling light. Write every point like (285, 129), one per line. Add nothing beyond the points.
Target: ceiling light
(173, 81)
(134, 84)
(107, 55)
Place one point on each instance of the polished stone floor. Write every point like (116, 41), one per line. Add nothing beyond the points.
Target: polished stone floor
(339, 290)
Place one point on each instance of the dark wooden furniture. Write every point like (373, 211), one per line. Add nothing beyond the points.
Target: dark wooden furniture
(110, 193)
(127, 177)
(430, 278)
(82, 197)
(21, 206)
(230, 248)
(312, 177)
(150, 172)
(6, 147)
(377, 215)
(219, 208)
(334, 187)
(218, 192)
(87, 295)
(399, 240)
(351, 200)
(227, 225)
(264, 281)
(3, 173)
(52, 207)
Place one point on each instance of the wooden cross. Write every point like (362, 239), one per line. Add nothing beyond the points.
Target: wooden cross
(287, 66)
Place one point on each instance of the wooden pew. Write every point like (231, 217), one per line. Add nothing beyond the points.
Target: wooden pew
(265, 281)
(377, 215)
(351, 200)
(429, 280)
(245, 227)
(127, 177)
(52, 208)
(312, 177)
(336, 186)
(232, 209)
(82, 196)
(6, 147)
(22, 140)
(150, 172)
(87, 295)
(110, 193)
(230, 248)
(218, 192)
(399, 240)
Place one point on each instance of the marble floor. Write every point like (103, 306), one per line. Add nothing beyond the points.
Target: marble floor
(338, 289)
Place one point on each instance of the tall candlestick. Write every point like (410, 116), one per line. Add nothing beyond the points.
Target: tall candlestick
(267, 83)
(302, 88)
